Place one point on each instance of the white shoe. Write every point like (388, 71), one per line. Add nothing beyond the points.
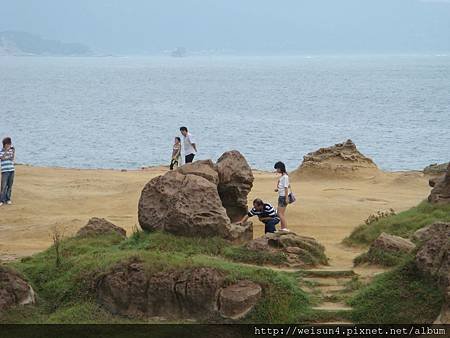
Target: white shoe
(9, 202)
(287, 230)
(1, 203)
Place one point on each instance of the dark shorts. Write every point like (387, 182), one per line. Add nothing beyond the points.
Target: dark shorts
(282, 202)
(189, 158)
(270, 225)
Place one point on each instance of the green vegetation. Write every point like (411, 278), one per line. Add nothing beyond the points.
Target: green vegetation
(67, 292)
(380, 257)
(403, 224)
(399, 296)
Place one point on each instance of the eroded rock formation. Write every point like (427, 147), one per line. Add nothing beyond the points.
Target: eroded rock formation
(391, 243)
(300, 251)
(194, 293)
(200, 199)
(340, 160)
(441, 188)
(14, 290)
(100, 226)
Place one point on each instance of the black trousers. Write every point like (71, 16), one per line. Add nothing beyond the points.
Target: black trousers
(189, 158)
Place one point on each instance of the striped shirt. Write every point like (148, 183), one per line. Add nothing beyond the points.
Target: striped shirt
(267, 212)
(7, 159)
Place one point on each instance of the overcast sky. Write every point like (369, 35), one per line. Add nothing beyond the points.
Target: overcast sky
(242, 26)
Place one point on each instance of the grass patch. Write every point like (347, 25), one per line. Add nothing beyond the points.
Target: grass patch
(403, 224)
(400, 296)
(66, 293)
(380, 257)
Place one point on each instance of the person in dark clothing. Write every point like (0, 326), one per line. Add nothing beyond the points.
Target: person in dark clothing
(266, 214)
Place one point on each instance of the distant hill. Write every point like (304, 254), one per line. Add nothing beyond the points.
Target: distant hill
(22, 43)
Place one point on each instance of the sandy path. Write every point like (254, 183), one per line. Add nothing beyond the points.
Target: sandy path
(326, 209)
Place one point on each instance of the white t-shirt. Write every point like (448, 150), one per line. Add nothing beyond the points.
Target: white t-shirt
(187, 145)
(283, 183)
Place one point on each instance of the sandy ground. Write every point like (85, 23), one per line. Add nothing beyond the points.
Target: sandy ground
(327, 209)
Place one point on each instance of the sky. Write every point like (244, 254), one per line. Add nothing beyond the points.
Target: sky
(237, 26)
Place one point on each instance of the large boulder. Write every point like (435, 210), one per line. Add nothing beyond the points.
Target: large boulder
(194, 293)
(441, 188)
(200, 199)
(235, 182)
(100, 226)
(299, 251)
(14, 290)
(183, 205)
(238, 299)
(391, 244)
(444, 316)
(339, 161)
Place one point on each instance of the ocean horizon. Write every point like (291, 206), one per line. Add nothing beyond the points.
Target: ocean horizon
(123, 112)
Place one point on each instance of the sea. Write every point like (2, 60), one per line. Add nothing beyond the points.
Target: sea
(124, 112)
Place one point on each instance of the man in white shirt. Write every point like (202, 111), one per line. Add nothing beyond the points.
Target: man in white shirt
(189, 146)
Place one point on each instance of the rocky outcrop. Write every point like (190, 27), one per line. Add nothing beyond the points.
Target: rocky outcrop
(235, 182)
(100, 226)
(433, 259)
(340, 160)
(236, 300)
(194, 293)
(183, 205)
(391, 244)
(200, 199)
(436, 169)
(14, 290)
(300, 251)
(441, 188)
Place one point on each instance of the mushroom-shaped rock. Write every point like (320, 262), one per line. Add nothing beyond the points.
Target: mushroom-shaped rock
(237, 300)
(14, 290)
(235, 182)
(186, 205)
(100, 226)
(441, 189)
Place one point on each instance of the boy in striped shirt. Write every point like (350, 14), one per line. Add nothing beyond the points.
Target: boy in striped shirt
(266, 214)
(7, 155)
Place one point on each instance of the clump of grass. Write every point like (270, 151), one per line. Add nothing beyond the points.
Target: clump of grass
(381, 257)
(400, 296)
(403, 224)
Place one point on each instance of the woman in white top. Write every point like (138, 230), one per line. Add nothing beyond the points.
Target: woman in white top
(283, 193)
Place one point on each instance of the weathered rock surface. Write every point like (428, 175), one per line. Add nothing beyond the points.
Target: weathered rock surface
(340, 160)
(202, 168)
(200, 199)
(433, 256)
(441, 189)
(14, 290)
(435, 229)
(300, 251)
(100, 226)
(195, 293)
(391, 243)
(433, 259)
(238, 299)
(183, 205)
(436, 169)
(235, 182)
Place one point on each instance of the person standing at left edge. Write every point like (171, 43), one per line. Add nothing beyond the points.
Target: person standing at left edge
(189, 146)
(7, 155)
